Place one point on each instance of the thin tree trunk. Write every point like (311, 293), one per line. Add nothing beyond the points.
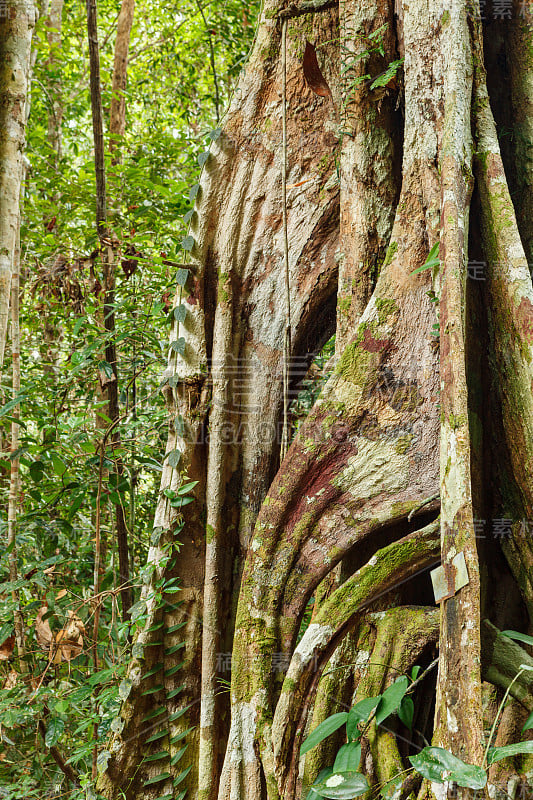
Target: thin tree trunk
(55, 115)
(117, 113)
(107, 255)
(459, 719)
(14, 481)
(117, 126)
(17, 21)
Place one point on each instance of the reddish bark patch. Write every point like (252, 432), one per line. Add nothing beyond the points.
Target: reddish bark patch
(525, 319)
(374, 345)
(319, 476)
(195, 292)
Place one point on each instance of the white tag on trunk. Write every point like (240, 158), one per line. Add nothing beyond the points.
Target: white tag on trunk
(447, 580)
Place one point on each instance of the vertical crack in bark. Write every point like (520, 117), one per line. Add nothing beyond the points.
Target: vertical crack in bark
(369, 161)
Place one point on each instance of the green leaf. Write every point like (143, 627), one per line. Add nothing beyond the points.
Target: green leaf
(152, 671)
(171, 650)
(101, 761)
(322, 731)
(391, 699)
(186, 488)
(518, 637)
(343, 786)
(391, 788)
(431, 261)
(179, 736)
(348, 758)
(58, 465)
(529, 723)
(189, 215)
(178, 689)
(180, 313)
(5, 631)
(437, 764)
(187, 244)
(163, 776)
(497, 753)
(54, 731)
(137, 610)
(107, 369)
(193, 192)
(155, 736)
(172, 671)
(157, 756)
(179, 346)
(154, 713)
(202, 158)
(176, 757)
(415, 672)
(181, 777)
(215, 134)
(177, 714)
(179, 502)
(78, 326)
(102, 676)
(172, 585)
(174, 628)
(12, 404)
(406, 712)
(321, 777)
(360, 713)
(37, 471)
(174, 458)
(383, 80)
(182, 276)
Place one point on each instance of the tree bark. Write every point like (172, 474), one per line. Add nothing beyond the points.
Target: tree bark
(55, 115)
(375, 180)
(17, 21)
(118, 110)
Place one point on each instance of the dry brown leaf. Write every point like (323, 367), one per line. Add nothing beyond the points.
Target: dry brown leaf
(43, 632)
(313, 75)
(7, 648)
(69, 640)
(61, 594)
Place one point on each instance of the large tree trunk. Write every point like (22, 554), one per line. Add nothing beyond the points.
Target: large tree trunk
(17, 20)
(375, 179)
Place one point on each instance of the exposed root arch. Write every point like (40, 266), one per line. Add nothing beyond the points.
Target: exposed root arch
(388, 569)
